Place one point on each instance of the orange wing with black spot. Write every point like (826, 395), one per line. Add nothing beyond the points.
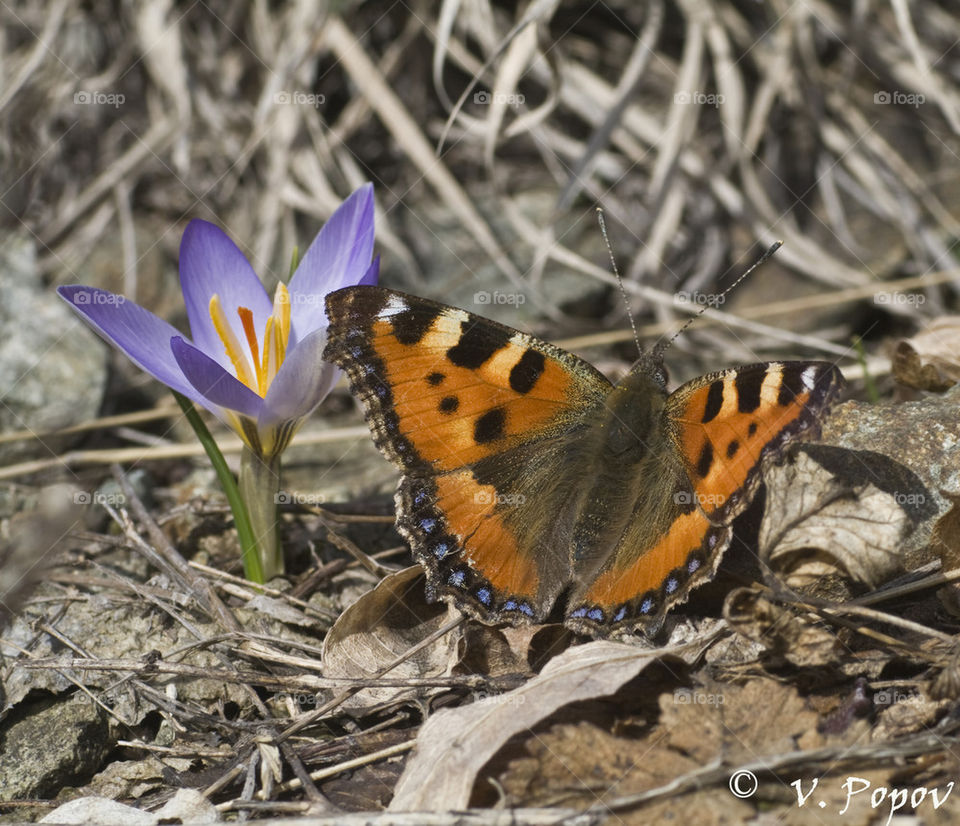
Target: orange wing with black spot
(448, 395)
(724, 425)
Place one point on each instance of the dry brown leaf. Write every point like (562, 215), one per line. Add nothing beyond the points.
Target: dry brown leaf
(716, 724)
(930, 360)
(738, 723)
(575, 765)
(834, 512)
(500, 651)
(382, 625)
(780, 630)
(902, 714)
(945, 539)
(454, 744)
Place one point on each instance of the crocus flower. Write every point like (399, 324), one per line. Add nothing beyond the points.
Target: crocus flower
(254, 363)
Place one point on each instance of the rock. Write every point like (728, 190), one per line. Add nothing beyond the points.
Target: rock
(186, 806)
(53, 370)
(921, 435)
(98, 811)
(54, 744)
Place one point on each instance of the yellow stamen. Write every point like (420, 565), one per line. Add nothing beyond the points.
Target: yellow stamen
(276, 336)
(281, 310)
(231, 344)
(269, 365)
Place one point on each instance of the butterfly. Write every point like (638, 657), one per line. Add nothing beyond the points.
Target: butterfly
(529, 481)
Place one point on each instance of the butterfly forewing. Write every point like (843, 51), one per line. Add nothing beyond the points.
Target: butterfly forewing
(726, 423)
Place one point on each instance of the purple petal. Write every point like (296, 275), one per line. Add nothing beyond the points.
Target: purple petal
(215, 385)
(301, 383)
(338, 257)
(211, 263)
(372, 274)
(142, 336)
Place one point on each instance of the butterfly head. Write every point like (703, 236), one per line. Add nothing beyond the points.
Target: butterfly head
(651, 367)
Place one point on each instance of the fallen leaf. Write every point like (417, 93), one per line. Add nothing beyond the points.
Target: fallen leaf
(99, 810)
(186, 806)
(738, 722)
(379, 627)
(832, 512)
(716, 724)
(929, 359)
(901, 714)
(454, 744)
(577, 765)
(780, 631)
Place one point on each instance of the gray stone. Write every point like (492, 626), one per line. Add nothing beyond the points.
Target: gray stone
(53, 370)
(54, 744)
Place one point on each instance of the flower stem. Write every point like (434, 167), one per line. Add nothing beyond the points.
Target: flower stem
(259, 487)
(252, 568)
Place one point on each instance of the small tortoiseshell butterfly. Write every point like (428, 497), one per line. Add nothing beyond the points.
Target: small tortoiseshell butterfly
(527, 477)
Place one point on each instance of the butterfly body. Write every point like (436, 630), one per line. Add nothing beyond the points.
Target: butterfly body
(528, 479)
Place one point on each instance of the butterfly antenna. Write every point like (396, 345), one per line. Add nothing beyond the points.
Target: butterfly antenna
(660, 348)
(616, 272)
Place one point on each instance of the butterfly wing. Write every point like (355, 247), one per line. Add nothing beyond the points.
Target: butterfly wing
(726, 424)
(475, 415)
(717, 430)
